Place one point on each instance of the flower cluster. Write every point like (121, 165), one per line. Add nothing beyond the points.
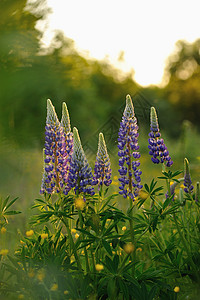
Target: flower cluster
(128, 146)
(80, 174)
(55, 161)
(158, 149)
(102, 169)
(187, 178)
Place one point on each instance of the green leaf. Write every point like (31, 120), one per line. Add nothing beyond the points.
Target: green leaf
(5, 202)
(11, 203)
(123, 288)
(107, 247)
(109, 265)
(12, 212)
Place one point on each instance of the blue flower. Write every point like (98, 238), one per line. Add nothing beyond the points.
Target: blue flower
(158, 149)
(80, 174)
(102, 169)
(128, 153)
(187, 178)
(54, 154)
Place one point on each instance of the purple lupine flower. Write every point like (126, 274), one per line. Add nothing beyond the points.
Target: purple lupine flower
(54, 153)
(80, 174)
(102, 169)
(68, 136)
(158, 149)
(128, 153)
(187, 178)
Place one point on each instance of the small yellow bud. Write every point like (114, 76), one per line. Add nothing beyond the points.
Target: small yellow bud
(99, 267)
(129, 248)
(22, 242)
(115, 177)
(124, 228)
(82, 252)
(182, 186)
(29, 233)
(76, 236)
(3, 230)
(44, 235)
(174, 231)
(73, 230)
(4, 252)
(139, 249)
(79, 203)
(171, 182)
(21, 296)
(54, 287)
(177, 289)
(66, 292)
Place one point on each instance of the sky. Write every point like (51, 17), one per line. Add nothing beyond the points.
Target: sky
(145, 30)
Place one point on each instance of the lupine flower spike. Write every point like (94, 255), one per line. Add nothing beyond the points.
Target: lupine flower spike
(187, 178)
(54, 153)
(65, 124)
(158, 149)
(128, 146)
(102, 169)
(80, 173)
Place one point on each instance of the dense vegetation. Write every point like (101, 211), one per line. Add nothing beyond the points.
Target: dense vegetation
(106, 246)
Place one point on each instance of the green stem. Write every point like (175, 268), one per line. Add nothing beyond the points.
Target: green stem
(72, 244)
(82, 235)
(132, 235)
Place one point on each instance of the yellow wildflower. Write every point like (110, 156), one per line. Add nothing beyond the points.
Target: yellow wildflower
(79, 203)
(66, 292)
(177, 289)
(4, 252)
(29, 233)
(76, 235)
(54, 287)
(124, 228)
(115, 177)
(44, 235)
(21, 296)
(128, 248)
(99, 267)
(3, 230)
(73, 230)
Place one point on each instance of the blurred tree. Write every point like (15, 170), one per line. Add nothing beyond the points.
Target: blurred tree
(183, 88)
(29, 75)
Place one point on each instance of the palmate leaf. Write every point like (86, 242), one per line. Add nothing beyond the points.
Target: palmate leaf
(6, 205)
